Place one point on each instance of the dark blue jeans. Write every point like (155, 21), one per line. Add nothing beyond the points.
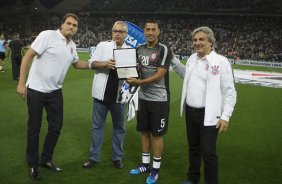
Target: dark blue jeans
(202, 146)
(100, 111)
(53, 104)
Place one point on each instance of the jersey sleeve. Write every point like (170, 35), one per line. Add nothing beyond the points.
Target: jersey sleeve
(165, 57)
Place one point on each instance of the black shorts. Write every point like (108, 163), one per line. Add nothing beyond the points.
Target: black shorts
(2, 55)
(152, 117)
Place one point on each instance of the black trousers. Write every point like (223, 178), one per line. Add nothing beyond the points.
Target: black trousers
(16, 65)
(202, 146)
(53, 104)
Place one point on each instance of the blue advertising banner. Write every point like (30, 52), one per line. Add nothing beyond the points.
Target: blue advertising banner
(135, 35)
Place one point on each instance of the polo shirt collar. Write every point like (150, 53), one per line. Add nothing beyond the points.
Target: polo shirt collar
(60, 34)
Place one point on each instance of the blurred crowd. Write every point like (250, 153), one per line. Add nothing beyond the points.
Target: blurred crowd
(238, 37)
(191, 5)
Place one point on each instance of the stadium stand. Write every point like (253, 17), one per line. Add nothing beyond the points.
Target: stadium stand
(244, 29)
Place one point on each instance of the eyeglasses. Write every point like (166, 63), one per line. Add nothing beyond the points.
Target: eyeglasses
(118, 31)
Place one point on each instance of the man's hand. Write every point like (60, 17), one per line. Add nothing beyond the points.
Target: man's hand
(110, 64)
(222, 125)
(133, 81)
(21, 90)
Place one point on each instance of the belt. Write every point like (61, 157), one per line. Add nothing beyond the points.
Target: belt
(201, 109)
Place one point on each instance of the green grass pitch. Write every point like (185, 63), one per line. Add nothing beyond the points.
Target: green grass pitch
(250, 152)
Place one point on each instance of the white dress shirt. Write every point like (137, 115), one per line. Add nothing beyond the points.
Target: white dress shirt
(197, 84)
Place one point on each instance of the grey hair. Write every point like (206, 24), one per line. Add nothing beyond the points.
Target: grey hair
(206, 30)
(123, 23)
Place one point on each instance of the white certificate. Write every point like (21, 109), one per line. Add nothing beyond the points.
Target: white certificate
(128, 72)
(125, 60)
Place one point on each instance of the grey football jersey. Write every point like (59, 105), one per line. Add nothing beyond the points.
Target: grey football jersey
(149, 60)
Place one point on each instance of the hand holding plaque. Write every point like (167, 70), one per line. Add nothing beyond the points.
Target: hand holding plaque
(125, 60)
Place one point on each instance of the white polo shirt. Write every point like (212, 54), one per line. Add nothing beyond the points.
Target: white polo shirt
(50, 66)
(197, 84)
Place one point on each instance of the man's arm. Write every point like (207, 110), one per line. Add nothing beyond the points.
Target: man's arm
(110, 64)
(178, 67)
(22, 51)
(153, 78)
(8, 51)
(21, 88)
(81, 65)
(229, 96)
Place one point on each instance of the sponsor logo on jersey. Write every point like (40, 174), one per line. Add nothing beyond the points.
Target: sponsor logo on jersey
(153, 56)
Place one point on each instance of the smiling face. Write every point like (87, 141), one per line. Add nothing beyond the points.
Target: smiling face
(201, 44)
(69, 27)
(152, 32)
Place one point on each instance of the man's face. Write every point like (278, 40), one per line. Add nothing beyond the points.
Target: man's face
(152, 32)
(69, 27)
(201, 44)
(118, 33)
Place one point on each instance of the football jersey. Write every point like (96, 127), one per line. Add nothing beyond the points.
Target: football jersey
(149, 60)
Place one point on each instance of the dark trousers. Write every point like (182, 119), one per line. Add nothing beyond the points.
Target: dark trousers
(202, 145)
(53, 104)
(16, 65)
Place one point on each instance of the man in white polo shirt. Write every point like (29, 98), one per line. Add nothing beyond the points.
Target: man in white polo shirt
(209, 96)
(52, 53)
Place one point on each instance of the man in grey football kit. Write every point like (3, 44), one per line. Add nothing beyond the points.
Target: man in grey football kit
(152, 118)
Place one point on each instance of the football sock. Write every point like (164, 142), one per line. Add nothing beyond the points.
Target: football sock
(157, 163)
(146, 159)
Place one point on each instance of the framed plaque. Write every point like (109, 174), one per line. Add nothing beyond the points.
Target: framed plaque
(126, 63)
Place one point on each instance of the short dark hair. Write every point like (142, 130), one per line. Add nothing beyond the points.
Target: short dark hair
(70, 15)
(151, 21)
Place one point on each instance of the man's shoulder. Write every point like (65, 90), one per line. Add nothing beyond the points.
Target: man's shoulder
(105, 43)
(193, 57)
(142, 46)
(48, 32)
(162, 45)
(219, 58)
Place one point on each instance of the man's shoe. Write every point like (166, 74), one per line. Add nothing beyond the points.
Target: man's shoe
(189, 182)
(118, 164)
(140, 169)
(153, 177)
(90, 163)
(33, 173)
(51, 167)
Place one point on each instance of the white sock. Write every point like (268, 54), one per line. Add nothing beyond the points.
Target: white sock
(146, 158)
(157, 162)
